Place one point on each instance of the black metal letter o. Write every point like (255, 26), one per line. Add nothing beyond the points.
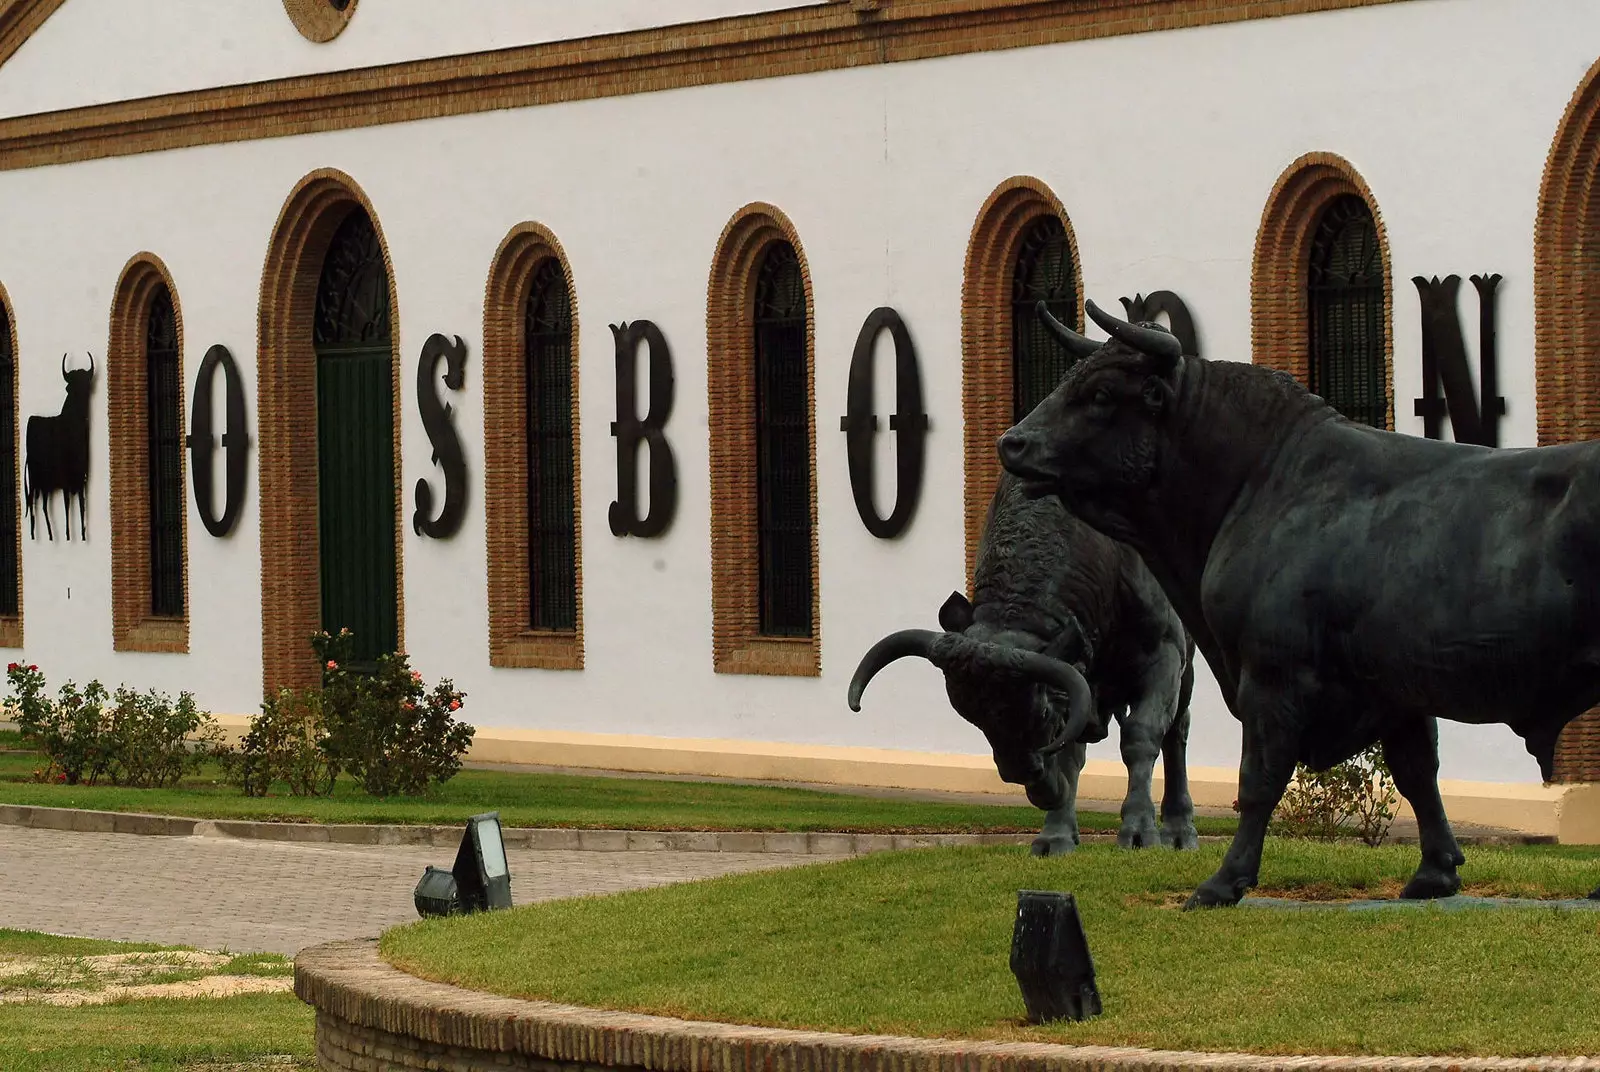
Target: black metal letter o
(909, 423)
(201, 444)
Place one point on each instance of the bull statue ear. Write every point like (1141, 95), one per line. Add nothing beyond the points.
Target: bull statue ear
(956, 614)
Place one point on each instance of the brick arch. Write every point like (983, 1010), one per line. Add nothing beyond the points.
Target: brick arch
(1279, 315)
(286, 388)
(1566, 343)
(986, 325)
(133, 626)
(505, 437)
(737, 646)
(11, 624)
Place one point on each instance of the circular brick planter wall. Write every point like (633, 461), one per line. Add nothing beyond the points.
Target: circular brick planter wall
(373, 1017)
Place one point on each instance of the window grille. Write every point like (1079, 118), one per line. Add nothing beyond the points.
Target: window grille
(1346, 306)
(164, 456)
(10, 567)
(1044, 273)
(355, 441)
(783, 446)
(552, 527)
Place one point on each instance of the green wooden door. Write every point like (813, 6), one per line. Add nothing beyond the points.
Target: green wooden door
(355, 442)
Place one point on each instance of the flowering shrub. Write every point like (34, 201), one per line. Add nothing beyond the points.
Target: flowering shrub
(134, 739)
(385, 727)
(1354, 798)
(287, 742)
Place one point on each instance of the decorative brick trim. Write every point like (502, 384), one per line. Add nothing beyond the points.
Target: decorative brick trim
(11, 624)
(505, 455)
(319, 20)
(1566, 341)
(286, 408)
(986, 335)
(737, 646)
(773, 44)
(1279, 324)
(371, 1015)
(19, 20)
(133, 627)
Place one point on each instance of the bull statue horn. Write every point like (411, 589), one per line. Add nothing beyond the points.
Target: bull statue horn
(63, 366)
(1157, 342)
(1075, 344)
(91, 363)
(918, 642)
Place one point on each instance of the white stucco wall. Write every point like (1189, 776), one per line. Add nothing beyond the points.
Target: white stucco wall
(96, 51)
(1162, 147)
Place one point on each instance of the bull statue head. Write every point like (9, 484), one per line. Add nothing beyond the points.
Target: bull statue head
(1096, 438)
(1028, 704)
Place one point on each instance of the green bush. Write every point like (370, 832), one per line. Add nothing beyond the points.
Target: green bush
(287, 742)
(140, 740)
(384, 726)
(1356, 798)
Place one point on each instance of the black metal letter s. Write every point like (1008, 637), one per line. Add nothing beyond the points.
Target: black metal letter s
(442, 434)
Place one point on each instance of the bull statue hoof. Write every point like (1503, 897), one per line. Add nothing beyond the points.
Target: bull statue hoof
(1595, 896)
(1430, 883)
(1216, 893)
(1053, 845)
(1179, 836)
(1138, 833)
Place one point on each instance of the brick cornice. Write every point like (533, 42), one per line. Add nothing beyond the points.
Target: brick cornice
(766, 45)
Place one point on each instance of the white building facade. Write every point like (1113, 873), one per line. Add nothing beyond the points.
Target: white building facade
(654, 151)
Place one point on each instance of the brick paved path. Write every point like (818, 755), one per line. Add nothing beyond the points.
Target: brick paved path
(280, 897)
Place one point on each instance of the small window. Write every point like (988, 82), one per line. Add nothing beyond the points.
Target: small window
(1044, 272)
(10, 566)
(1346, 306)
(165, 458)
(552, 525)
(783, 446)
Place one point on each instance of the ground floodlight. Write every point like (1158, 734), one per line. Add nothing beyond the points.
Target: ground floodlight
(1050, 958)
(480, 879)
(436, 894)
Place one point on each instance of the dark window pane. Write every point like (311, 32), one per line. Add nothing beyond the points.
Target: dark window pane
(1346, 306)
(355, 441)
(163, 398)
(552, 529)
(1044, 273)
(10, 567)
(783, 446)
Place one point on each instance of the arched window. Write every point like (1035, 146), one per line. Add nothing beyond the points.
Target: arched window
(783, 445)
(164, 433)
(552, 522)
(1345, 303)
(355, 440)
(10, 537)
(1044, 272)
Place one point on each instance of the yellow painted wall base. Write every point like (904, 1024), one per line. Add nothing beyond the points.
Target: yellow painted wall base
(1570, 813)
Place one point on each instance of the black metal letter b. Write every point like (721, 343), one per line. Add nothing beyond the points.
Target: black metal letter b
(629, 430)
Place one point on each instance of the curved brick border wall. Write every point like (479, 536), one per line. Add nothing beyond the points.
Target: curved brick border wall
(371, 1016)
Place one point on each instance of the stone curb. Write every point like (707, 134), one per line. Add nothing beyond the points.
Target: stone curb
(753, 841)
(372, 1015)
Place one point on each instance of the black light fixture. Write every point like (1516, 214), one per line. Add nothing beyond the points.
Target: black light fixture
(480, 879)
(1050, 958)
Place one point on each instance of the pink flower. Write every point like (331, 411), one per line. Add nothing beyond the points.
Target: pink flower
(415, 676)
(455, 705)
(332, 665)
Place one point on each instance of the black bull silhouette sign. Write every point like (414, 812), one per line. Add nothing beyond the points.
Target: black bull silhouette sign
(58, 454)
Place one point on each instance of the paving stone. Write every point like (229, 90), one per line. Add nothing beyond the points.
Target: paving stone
(280, 896)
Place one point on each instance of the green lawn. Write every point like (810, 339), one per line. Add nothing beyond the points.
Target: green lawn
(554, 800)
(917, 943)
(266, 1031)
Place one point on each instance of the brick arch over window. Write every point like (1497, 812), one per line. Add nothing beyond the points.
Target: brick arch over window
(1566, 345)
(987, 323)
(10, 480)
(737, 644)
(286, 387)
(145, 521)
(514, 640)
(1279, 301)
